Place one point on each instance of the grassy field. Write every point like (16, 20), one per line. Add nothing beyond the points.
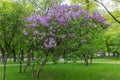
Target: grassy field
(69, 71)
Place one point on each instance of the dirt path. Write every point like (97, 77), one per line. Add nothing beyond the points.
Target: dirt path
(62, 62)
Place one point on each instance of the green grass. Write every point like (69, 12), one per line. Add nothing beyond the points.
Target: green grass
(69, 71)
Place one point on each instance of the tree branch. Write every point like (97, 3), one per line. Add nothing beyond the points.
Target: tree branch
(108, 11)
(36, 5)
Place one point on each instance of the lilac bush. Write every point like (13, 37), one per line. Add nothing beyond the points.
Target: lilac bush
(63, 22)
(63, 29)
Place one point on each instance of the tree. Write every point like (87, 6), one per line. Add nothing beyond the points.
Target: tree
(12, 20)
(59, 27)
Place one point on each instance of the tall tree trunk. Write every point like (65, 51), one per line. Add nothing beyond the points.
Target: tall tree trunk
(114, 54)
(28, 60)
(22, 55)
(4, 60)
(14, 55)
(117, 54)
(4, 71)
(41, 67)
(20, 60)
(33, 65)
(64, 57)
(91, 57)
(86, 59)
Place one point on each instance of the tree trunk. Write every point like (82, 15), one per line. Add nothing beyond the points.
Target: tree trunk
(0, 58)
(28, 60)
(14, 55)
(20, 61)
(117, 54)
(114, 54)
(41, 67)
(86, 59)
(64, 57)
(91, 56)
(33, 65)
(4, 59)
(4, 71)
(22, 55)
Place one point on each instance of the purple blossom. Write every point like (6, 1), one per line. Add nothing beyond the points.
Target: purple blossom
(34, 25)
(107, 25)
(63, 36)
(52, 34)
(40, 38)
(83, 41)
(32, 18)
(58, 30)
(98, 17)
(43, 34)
(72, 34)
(92, 25)
(100, 52)
(44, 20)
(50, 42)
(78, 14)
(35, 32)
(33, 38)
(86, 17)
(25, 32)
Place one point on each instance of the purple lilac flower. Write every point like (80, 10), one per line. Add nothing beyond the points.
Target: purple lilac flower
(33, 38)
(50, 42)
(32, 18)
(43, 34)
(86, 17)
(77, 15)
(63, 36)
(100, 52)
(72, 34)
(40, 38)
(34, 25)
(52, 34)
(98, 16)
(25, 32)
(58, 30)
(107, 25)
(83, 41)
(92, 25)
(35, 32)
(44, 20)
(86, 35)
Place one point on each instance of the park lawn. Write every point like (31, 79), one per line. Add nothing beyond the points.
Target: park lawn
(69, 71)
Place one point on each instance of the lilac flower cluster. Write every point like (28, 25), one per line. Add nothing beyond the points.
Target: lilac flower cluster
(100, 52)
(97, 16)
(83, 41)
(55, 23)
(50, 42)
(35, 32)
(42, 36)
(25, 32)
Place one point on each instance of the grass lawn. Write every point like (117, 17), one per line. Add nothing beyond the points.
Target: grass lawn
(69, 71)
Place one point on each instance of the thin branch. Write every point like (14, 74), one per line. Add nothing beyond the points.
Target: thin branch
(108, 11)
(36, 5)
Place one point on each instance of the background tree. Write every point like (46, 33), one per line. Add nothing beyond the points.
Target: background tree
(11, 23)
